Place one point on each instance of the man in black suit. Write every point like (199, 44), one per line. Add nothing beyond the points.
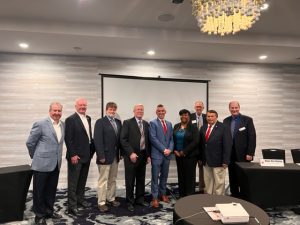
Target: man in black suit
(244, 142)
(107, 145)
(79, 144)
(135, 145)
(198, 119)
(215, 153)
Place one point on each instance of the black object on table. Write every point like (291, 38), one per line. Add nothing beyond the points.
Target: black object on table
(269, 186)
(194, 204)
(14, 185)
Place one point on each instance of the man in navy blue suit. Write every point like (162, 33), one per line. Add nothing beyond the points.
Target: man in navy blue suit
(215, 153)
(244, 142)
(107, 144)
(161, 138)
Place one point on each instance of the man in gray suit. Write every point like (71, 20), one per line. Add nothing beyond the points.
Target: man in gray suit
(45, 144)
(107, 145)
(161, 139)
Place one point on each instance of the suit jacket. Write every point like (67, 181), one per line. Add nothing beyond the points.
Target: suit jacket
(244, 142)
(131, 135)
(107, 143)
(160, 141)
(44, 148)
(194, 117)
(77, 139)
(190, 140)
(216, 151)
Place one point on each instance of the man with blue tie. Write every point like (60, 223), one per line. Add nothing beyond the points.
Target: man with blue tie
(107, 145)
(45, 144)
(161, 139)
(244, 142)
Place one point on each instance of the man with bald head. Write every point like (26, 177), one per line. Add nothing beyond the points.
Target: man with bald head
(135, 144)
(80, 150)
(244, 142)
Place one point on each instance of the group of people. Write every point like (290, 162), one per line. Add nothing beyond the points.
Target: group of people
(197, 139)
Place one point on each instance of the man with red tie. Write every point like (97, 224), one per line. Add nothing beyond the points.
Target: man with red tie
(161, 138)
(215, 149)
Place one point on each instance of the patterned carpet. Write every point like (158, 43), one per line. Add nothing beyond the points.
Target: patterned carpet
(141, 216)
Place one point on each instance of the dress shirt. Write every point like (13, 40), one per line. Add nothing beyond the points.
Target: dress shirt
(57, 128)
(85, 124)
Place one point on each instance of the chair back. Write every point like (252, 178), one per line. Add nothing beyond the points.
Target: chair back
(273, 153)
(296, 155)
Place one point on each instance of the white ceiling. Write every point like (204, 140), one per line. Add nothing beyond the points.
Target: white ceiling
(128, 28)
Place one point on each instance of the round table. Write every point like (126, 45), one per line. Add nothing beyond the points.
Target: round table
(194, 204)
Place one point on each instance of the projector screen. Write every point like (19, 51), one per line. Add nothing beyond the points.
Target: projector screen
(174, 94)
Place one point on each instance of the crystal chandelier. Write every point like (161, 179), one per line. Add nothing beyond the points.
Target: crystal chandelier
(226, 16)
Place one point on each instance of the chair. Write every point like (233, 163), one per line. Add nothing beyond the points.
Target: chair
(296, 155)
(273, 153)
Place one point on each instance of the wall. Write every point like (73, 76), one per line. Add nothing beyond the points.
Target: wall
(268, 93)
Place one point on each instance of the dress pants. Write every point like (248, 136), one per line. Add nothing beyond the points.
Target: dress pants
(44, 190)
(160, 171)
(77, 177)
(107, 182)
(201, 176)
(186, 170)
(135, 174)
(214, 178)
(233, 180)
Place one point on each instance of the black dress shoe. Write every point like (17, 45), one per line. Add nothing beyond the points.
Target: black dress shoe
(40, 221)
(74, 212)
(84, 204)
(130, 207)
(55, 216)
(146, 204)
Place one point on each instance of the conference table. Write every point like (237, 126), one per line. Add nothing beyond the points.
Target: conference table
(192, 207)
(14, 185)
(269, 186)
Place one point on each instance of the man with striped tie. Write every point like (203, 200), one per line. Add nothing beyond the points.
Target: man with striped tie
(135, 145)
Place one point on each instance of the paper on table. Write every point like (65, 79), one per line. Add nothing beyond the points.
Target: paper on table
(213, 213)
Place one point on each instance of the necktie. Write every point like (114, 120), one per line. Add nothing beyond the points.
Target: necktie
(113, 123)
(199, 122)
(142, 141)
(164, 126)
(207, 133)
(233, 125)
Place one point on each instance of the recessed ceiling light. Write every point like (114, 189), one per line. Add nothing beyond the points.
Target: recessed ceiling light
(265, 6)
(263, 57)
(151, 52)
(23, 45)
